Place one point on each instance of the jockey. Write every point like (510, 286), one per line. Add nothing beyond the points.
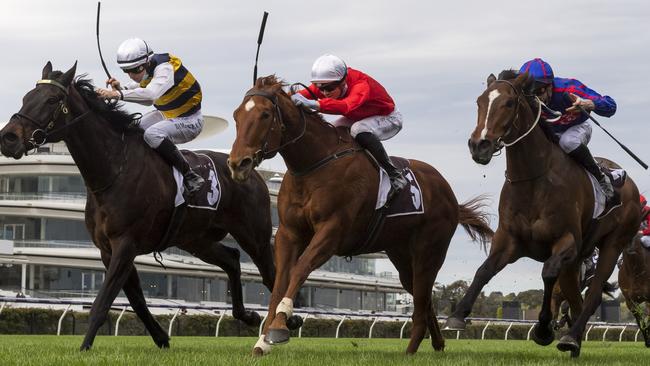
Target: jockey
(571, 125)
(162, 80)
(364, 106)
(644, 230)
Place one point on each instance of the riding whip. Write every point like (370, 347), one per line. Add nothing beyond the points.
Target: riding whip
(99, 6)
(259, 43)
(638, 160)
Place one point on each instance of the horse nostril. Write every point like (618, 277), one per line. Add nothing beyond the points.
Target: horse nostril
(245, 163)
(484, 145)
(10, 138)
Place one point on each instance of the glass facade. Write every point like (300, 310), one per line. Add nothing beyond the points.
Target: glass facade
(58, 185)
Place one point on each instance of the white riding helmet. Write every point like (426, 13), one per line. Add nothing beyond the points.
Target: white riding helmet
(132, 53)
(328, 68)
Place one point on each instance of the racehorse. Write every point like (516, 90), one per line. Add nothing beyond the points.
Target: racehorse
(130, 196)
(546, 207)
(325, 205)
(634, 279)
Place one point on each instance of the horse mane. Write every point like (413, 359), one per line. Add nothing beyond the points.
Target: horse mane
(268, 82)
(113, 112)
(510, 74)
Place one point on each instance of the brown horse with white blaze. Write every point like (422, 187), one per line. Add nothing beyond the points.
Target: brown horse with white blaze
(545, 209)
(326, 202)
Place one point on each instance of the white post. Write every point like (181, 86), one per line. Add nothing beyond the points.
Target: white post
(216, 332)
(457, 334)
(259, 333)
(530, 330)
(507, 330)
(605, 332)
(2, 307)
(484, 329)
(304, 320)
(339, 326)
(372, 326)
(171, 322)
(58, 329)
(23, 278)
(401, 331)
(587, 334)
(636, 334)
(117, 322)
(620, 336)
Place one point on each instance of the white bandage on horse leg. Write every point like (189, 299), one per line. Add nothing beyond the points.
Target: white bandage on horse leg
(285, 306)
(265, 347)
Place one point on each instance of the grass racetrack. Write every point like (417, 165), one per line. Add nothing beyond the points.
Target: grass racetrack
(132, 350)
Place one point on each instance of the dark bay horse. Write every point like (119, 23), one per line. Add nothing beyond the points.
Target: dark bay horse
(326, 202)
(545, 208)
(634, 280)
(131, 192)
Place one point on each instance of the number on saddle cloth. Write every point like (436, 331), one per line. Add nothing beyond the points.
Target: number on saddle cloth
(209, 195)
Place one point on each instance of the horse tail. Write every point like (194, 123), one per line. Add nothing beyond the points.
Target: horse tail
(609, 288)
(475, 221)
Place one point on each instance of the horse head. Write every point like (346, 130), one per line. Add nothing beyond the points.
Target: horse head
(44, 110)
(499, 108)
(260, 125)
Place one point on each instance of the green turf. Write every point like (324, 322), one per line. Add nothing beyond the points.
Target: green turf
(63, 350)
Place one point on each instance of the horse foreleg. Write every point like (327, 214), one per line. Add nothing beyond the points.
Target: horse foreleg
(133, 291)
(286, 254)
(604, 268)
(564, 252)
(321, 248)
(118, 271)
(502, 252)
(570, 283)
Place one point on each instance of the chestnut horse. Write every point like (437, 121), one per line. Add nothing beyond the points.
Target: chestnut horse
(130, 196)
(545, 209)
(326, 202)
(634, 280)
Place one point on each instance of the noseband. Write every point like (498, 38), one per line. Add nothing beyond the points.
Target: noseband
(44, 130)
(265, 153)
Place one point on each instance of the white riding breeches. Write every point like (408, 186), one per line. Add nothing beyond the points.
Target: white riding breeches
(645, 240)
(575, 136)
(178, 130)
(384, 127)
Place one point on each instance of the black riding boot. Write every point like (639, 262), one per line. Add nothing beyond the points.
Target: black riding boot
(582, 155)
(371, 143)
(170, 153)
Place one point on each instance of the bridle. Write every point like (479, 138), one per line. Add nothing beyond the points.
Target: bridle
(44, 130)
(265, 153)
(500, 143)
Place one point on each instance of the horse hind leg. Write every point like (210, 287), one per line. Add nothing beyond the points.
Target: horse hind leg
(227, 259)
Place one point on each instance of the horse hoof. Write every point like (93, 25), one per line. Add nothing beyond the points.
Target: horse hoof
(85, 347)
(257, 352)
(294, 322)
(567, 343)
(543, 337)
(439, 347)
(454, 324)
(252, 318)
(164, 344)
(277, 336)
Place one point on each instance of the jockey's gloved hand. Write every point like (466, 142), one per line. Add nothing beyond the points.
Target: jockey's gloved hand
(298, 99)
(114, 83)
(586, 104)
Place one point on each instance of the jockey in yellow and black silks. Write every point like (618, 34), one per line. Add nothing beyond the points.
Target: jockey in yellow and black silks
(163, 81)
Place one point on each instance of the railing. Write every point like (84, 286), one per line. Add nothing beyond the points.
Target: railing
(221, 311)
(74, 197)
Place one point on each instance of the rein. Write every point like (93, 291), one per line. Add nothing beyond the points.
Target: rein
(500, 141)
(44, 130)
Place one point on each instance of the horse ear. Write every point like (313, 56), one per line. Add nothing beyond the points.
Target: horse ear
(66, 78)
(526, 82)
(47, 70)
(491, 79)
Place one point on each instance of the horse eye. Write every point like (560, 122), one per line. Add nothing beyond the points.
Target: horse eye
(509, 103)
(265, 115)
(52, 100)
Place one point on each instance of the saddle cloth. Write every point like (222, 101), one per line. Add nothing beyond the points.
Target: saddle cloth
(209, 195)
(618, 179)
(409, 200)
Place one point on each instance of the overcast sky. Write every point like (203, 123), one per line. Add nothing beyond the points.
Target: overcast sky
(433, 57)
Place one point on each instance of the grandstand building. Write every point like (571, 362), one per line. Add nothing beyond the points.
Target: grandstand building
(45, 250)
